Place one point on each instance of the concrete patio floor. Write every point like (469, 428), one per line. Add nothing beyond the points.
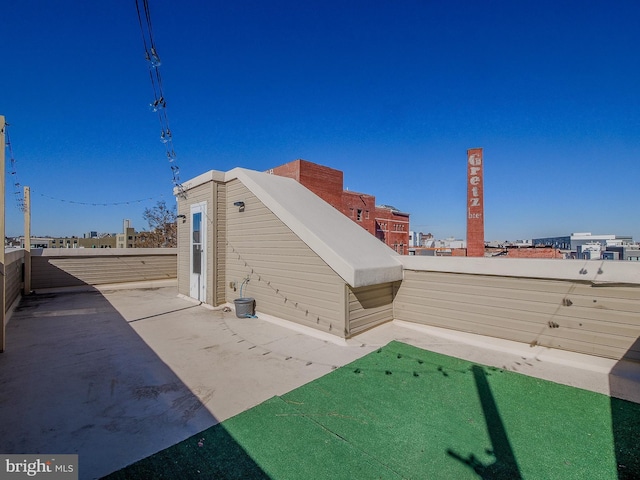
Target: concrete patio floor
(118, 373)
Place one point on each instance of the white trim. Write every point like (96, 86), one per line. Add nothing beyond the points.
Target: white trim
(594, 271)
(199, 293)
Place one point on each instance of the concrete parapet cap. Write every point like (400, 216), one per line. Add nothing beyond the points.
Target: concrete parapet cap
(100, 252)
(592, 271)
(210, 176)
(352, 252)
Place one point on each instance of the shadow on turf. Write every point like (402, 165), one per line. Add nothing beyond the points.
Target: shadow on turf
(213, 453)
(625, 418)
(505, 466)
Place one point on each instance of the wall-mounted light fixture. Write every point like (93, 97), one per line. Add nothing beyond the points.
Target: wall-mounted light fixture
(183, 217)
(240, 206)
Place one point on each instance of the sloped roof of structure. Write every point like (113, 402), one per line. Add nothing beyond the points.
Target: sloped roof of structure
(354, 254)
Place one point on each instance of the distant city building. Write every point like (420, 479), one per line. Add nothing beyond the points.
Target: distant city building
(449, 247)
(622, 252)
(105, 241)
(415, 239)
(91, 239)
(583, 244)
(127, 239)
(586, 246)
(385, 222)
(37, 242)
(70, 242)
(392, 227)
(589, 251)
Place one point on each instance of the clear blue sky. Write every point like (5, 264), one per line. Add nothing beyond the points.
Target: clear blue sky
(393, 93)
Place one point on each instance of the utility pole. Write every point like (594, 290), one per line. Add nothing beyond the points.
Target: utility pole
(2, 229)
(27, 241)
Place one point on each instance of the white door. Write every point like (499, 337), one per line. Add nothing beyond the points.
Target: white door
(198, 252)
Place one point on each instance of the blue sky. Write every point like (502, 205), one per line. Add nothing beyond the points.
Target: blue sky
(393, 93)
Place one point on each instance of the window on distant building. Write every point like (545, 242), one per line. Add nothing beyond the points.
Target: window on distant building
(366, 214)
(359, 214)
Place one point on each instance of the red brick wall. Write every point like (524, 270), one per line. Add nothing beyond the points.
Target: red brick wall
(393, 228)
(290, 170)
(323, 181)
(534, 253)
(354, 203)
(390, 226)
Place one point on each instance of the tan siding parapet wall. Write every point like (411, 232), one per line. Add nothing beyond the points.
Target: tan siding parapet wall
(76, 267)
(13, 276)
(590, 307)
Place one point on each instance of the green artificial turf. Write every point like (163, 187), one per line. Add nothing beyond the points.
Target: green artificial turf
(404, 412)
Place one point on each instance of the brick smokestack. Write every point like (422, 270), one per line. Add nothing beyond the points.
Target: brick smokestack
(475, 203)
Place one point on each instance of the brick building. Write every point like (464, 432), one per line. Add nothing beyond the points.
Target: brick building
(534, 252)
(383, 221)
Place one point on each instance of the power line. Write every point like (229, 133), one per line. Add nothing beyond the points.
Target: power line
(98, 204)
(17, 190)
(19, 195)
(159, 104)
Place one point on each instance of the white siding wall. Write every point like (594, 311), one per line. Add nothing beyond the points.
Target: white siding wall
(287, 278)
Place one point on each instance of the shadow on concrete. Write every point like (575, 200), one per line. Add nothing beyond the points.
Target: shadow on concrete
(505, 466)
(77, 379)
(624, 380)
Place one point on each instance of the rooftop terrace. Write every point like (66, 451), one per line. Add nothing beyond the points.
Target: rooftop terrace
(116, 373)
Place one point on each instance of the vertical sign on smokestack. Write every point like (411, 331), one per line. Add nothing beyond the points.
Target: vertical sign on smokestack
(475, 204)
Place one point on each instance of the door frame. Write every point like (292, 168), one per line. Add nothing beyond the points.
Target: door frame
(198, 281)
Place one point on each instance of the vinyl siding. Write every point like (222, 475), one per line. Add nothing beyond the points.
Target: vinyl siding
(564, 314)
(370, 306)
(13, 276)
(219, 243)
(201, 193)
(51, 270)
(287, 279)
